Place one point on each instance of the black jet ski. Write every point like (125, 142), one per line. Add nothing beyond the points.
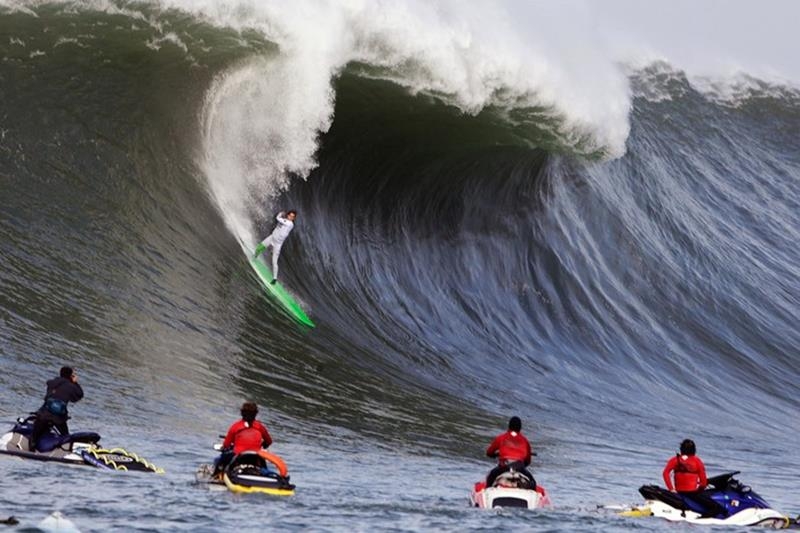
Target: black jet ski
(80, 448)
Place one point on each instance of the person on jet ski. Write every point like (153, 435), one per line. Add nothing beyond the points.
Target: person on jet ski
(690, 479)
(513, 452)
(60, 391)
(245, 435)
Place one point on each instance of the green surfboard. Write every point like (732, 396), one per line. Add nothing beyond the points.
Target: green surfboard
(279, 293)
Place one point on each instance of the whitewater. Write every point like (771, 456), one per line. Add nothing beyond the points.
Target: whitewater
(499, 212)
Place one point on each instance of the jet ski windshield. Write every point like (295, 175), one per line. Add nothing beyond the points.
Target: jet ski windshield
(722, 481)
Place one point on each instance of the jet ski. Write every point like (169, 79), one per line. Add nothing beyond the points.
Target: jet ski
(743, 507)
(250, 472)
(79, 448)
(510, 489)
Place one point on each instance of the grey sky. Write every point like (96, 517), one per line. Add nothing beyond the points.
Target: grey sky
(716, 37)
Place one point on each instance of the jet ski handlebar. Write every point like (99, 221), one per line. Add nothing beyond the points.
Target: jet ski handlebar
(722, 480)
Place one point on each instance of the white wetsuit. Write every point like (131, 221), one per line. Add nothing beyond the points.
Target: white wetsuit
(276, 238)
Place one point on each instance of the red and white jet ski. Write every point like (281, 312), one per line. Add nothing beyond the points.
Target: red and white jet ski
(510, 489)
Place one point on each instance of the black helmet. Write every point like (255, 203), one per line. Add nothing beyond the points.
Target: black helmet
(514, 424)
(688, 447)
(249, 411)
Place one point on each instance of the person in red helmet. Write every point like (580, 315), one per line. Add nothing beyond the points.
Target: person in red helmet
(245, 435)
(512, 450)
(690, 479)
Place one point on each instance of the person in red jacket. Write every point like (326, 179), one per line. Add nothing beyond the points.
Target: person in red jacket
(245, 435)
(512, 450)
(690, 479)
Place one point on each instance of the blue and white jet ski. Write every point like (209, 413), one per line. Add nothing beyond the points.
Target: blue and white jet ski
(80, 448)
(742, 506)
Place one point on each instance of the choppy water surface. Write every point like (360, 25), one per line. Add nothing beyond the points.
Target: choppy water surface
(620, 280)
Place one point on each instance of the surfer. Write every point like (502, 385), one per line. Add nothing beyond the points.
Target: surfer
(245, 435)
(60, 391)
(276, 238)
(690, 478)
(513, 452)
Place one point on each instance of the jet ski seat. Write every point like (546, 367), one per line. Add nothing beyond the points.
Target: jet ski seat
(51, 441)
(654, 492)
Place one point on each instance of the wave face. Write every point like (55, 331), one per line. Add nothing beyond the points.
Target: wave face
(479, 234)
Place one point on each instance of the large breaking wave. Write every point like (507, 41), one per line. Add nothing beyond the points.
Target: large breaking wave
(476, 222)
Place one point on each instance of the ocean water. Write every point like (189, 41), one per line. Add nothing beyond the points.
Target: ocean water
(479, 235)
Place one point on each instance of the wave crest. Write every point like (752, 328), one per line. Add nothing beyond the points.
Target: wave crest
(262, 118)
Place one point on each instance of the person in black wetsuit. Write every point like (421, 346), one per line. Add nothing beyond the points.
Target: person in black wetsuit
(60, 391)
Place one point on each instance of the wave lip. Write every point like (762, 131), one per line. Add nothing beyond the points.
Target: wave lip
(263, 117)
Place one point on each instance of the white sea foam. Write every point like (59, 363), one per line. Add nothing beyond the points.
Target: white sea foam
(262, 118)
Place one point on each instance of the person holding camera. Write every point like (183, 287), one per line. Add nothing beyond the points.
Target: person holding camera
(53, 413)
